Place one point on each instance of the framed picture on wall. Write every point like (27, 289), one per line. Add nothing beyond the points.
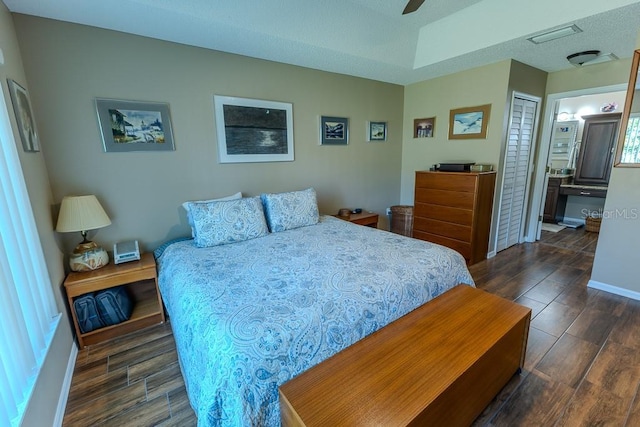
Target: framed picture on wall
(334, 130)
(253, 130)
(376, 131)
(424, 128)
(134, 125)
(469, 123)
(24, 117)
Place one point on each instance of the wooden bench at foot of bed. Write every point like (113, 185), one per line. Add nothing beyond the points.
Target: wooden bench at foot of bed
(441, 364)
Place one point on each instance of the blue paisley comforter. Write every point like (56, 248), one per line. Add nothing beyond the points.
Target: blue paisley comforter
(251, 315)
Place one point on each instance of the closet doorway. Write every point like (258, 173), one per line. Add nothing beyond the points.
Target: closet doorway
(517, 170)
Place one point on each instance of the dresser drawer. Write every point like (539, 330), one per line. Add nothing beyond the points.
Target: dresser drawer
(585, 192)
(452, 199)
(442, 228)
(443, 213)
(447, 181)
(462, 247)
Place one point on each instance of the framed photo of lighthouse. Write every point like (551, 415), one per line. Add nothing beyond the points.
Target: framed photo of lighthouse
(134, 125)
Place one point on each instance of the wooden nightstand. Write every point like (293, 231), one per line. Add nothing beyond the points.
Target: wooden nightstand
(369, 219)
(141, 281)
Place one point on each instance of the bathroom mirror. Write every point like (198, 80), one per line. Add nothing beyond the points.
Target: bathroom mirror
(628, 151)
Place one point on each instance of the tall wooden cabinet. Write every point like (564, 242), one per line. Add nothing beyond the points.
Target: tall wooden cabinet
(597, 149)
(453, 209)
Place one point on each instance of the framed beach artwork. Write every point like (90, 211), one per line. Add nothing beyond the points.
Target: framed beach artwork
(424, 128)
(24, 117)
(469, 123)
(334, 130)
(253, 130)
(134, 125)
(376, 131)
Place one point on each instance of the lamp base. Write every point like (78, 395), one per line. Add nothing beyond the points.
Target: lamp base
(88, 256)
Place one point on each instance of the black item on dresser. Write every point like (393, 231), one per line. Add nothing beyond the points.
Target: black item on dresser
(455, 166)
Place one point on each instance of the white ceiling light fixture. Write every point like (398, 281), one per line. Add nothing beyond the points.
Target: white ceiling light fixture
(555, 34)
(580, 58)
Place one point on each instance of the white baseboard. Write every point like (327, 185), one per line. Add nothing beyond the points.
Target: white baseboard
(491, 254)
(613, 289)
(66, 385)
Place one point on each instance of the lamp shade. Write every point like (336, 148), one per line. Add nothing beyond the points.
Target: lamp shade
(81, 213)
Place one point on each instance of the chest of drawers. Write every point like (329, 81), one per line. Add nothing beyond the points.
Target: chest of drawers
(453, 209)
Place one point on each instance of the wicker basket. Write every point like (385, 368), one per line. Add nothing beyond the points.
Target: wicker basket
(593, 224)
(402, 220)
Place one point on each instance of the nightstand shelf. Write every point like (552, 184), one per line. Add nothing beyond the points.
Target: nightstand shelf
(142, 285)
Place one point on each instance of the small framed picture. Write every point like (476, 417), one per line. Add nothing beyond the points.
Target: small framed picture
(377, 131)
(334, 130)
(134, 125)
(424, 128)
(469, 122)
(24, 117)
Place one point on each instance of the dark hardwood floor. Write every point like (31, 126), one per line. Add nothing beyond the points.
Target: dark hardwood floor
(582, 366)
(575, 239)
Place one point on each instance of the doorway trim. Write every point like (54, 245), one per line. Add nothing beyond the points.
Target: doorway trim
(534, 224)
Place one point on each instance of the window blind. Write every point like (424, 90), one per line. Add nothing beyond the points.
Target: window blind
(28, 313)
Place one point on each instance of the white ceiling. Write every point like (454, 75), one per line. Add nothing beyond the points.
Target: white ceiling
(367, 38)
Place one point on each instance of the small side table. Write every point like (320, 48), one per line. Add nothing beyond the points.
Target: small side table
(142, 283)
(369, 219)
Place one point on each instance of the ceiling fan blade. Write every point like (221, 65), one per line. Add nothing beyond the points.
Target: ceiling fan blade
(412, 6)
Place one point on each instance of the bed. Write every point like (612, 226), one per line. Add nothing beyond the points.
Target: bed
(250, 314)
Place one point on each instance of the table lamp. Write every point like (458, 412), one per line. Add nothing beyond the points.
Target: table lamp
(83, 213)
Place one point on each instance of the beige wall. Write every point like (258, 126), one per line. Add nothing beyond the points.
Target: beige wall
(617, 250)
(526, 79)
(69, 65)
(44, 401)
(590, 76)
(435, 98)
(492, 84)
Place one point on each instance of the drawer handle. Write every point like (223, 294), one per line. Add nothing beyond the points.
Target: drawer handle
(585, 193)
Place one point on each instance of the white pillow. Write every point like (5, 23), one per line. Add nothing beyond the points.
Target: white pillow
(230, 221)
(185, 205)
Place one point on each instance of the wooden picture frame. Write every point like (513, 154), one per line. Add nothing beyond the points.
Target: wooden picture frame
(253, 130)
(134, 125)
(469, 123)
(24, 117)
(334, 130)
(376, 131)
(424, 128)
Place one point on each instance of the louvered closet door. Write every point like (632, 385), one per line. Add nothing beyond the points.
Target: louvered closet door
(516, 173)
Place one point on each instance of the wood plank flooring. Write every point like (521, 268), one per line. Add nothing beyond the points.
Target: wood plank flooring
(582, 366)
